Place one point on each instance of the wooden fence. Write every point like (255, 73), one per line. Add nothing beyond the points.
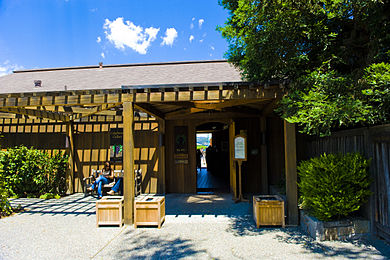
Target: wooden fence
(373, 142)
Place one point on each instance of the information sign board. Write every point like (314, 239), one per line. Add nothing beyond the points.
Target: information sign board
(240, 148)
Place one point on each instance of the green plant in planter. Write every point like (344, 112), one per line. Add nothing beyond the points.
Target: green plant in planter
(333, 186)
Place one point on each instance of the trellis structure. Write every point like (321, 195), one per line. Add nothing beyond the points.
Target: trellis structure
(224, 96)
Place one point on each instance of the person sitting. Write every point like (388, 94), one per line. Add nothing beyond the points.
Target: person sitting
(117, 187)
(106, 176)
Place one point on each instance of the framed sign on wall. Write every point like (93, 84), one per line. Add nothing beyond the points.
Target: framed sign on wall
(181, 139)
(240, 149)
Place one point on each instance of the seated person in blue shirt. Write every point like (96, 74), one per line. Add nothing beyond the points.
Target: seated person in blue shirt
(106, 176)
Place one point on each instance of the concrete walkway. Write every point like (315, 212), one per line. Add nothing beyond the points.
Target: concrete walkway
(196, 227)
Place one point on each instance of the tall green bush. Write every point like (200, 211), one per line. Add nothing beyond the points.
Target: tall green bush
(5, 207)
(31, 172)
(333, 186)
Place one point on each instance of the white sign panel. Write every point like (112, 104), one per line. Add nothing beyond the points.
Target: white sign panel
(239, 148)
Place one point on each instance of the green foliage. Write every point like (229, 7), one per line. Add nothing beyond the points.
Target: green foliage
(334, 185)
(5, 207)
(334, 55)
(30, 172)
(48, 196)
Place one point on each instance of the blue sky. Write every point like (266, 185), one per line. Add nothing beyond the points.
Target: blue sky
(61, 33)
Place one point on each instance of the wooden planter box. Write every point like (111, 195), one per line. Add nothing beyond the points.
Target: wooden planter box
(109, 211)
(268, 210)
(149, 210)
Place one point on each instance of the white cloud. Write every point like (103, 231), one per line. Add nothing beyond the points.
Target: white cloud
(7, 68)
(191, 26)
(200, 22)
(98, 39)
(212, 47)
(193, 19)
(127, 34)
(191, 38)
(103, 55)
(201, 40)
(170, 36)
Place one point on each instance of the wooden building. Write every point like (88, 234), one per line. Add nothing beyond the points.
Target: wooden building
(145, 116)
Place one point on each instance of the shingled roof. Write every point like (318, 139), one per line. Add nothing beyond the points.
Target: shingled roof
(116, 76)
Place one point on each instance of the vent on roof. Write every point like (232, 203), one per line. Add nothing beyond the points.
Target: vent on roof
(100, 65)
(37, 83)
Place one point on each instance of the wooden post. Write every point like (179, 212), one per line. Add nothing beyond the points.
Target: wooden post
(70, 146)
(233, 179)
(263, 153)
(162, 155)
(290, 157)
(128, 160)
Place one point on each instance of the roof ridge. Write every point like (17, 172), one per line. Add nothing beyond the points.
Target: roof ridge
(121, 65)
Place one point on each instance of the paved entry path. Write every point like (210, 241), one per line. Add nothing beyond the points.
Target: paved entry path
(196, 227)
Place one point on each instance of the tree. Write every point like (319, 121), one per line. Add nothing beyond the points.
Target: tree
(333, 55)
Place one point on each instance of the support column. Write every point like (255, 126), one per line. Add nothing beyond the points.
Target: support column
(70, 146)
(263, 153)
(233, 178)
(128, 160)
(290, 158)
(162, 155)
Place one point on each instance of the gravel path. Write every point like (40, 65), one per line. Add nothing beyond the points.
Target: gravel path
(204, 227)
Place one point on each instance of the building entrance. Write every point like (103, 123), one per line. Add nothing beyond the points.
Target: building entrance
(212, 144)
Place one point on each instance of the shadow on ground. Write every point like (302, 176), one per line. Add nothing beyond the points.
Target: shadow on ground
(75, 204)
(149, 246)
(362, 248)
(210, 204)
(245, 226)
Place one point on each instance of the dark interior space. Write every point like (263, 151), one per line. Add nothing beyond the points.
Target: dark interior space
(215, 176)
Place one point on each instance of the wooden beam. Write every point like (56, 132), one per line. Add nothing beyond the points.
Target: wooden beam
(183, 112)
(227, 103)
(128, 161)
(244, 111)
(148, 109)
(70, 151)
(37, 113)
(8, 115)
(65, 99)
(92, 111)
(290, 158)
(61, 100)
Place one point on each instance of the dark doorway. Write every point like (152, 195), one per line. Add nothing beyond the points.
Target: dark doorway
(212, 158)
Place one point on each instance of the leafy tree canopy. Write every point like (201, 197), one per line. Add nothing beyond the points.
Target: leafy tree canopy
(334, 55)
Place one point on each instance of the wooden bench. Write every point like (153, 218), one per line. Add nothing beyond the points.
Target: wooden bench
(106, 187)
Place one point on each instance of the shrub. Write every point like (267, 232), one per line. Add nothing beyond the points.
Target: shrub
(5, 207)
(333, 186)
(31, 172)
(48, 196)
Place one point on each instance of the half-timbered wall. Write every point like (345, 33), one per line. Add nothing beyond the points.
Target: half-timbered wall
(92, 144)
